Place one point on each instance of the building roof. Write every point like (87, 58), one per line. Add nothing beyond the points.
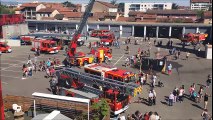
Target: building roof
(59, 16)
(107, 4)
(30, 4)
(183, 7)
(19, 8)
(46, 10)
(52, 5)
(65, 9)
(135, 13)
(201, 1)
(72, 14)
(207, 15)
(170, 12)
(123, 19)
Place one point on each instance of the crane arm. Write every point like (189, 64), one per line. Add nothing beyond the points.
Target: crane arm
(77, 34)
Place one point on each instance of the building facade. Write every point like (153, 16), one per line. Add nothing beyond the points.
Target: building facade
(200, 4)
(143, 7)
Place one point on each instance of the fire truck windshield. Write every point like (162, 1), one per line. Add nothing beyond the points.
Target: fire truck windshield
(52, 45)
(104, 37)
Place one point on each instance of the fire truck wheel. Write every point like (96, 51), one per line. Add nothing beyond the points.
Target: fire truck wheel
(85, 63)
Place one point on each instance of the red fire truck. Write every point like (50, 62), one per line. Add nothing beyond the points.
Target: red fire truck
(107, 39)
(5, 48)
(194, 38)
(110, 72)
(27, 40)
(98, 33)
(45, 46)
(74, 83)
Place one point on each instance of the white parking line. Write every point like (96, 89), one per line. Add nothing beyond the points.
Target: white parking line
(118, 60)
(4, 83)
(10, 77)
(12, 71)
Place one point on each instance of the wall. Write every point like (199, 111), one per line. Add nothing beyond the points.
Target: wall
(13, 31)
(54, 13)
(40, 7)
(209, 52)
(144, 7)
(11, 42)
(98, 7)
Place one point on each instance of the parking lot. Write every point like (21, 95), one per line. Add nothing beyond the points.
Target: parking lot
(195, 70)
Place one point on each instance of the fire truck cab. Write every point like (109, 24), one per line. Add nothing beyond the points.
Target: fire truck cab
(107, 39)
(194, 38)
(106, 51)
(98, 33)
(110, 72)
(5, 48)
(45, 46)
(117, 101)
(27, 40)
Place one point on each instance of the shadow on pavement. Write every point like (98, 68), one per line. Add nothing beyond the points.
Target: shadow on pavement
(197, 106)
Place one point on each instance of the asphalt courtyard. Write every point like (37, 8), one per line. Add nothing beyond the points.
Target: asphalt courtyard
(195, 70)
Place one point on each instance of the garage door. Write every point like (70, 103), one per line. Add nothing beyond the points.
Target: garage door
(127, 31)
(115, 29)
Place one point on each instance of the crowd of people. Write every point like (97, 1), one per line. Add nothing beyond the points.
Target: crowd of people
(35, 65)
(140, 116)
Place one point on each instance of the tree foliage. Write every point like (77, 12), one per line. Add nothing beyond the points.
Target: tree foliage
(121, 7)
(5, 10)
(68, 4)
(114, 2)
(200, 13)
(100, 109)
(175, 6)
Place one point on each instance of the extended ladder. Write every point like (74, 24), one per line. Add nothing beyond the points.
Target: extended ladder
(89, 79)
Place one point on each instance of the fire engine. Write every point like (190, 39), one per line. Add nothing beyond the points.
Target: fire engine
(5, 48)
(107, 39)
(194, 38)
(98, 33)
(110, 72)
(27, 40)
(45, 46)
(106, 52)
(117, 94)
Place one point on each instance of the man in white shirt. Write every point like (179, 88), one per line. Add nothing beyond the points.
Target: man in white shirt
(171, 99)
(151, 95)
(154, 78)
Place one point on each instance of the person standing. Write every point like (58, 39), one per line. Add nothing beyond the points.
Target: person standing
(175, 95)
(209, 80)
(206, 99)
(179, 54)
(155, 42)
(200, 94)
(151, 95)
(154, 97)
(154, 78)
(205, 115)
(187, 55)
(170, 69)
(171, 99)
(181, 92)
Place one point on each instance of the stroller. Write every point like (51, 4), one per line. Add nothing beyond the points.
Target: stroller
(194, 96)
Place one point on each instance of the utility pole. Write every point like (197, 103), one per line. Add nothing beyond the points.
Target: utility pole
(1, 98)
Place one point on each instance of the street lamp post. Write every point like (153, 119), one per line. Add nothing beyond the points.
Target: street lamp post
(1, 99)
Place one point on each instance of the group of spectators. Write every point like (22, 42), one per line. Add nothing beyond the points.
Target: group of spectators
(33, 65)
(139, 116)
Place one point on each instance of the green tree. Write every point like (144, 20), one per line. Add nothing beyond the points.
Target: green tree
(5, 10)
(68, 4)
(113, 2)
(100, 109)
(200, 13)
(175, 6)
(121, 7)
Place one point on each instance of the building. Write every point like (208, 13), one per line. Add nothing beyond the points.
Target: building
(143, 7)
(207, 17)
(200, 4)
(174, 14)
(46, 12)
(100, 6)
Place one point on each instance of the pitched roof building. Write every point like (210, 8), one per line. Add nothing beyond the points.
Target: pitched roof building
(200, 4)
